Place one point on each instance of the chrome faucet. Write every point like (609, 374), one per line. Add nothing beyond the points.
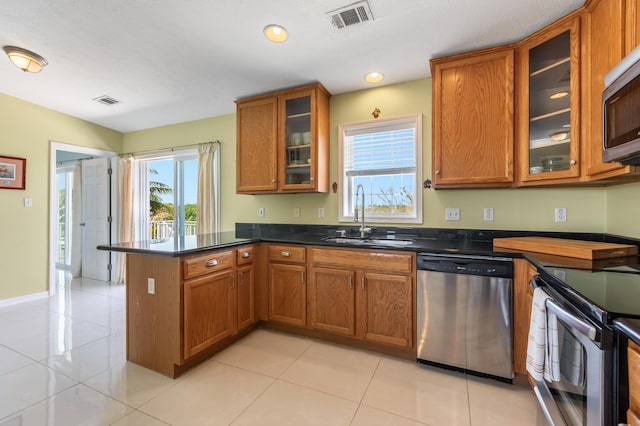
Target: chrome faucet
(363, 228)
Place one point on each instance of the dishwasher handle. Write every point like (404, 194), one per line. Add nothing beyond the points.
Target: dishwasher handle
(482, 267)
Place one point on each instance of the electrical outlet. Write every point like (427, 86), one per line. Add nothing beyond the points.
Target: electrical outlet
(452, 213)
(296, 212)
(561, 214)
(151, 285)
(488, 214)
(320, 212)
(261, 212)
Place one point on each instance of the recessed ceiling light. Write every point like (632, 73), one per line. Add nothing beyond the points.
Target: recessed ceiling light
(558, 95)
(374, 77)
(275, 33)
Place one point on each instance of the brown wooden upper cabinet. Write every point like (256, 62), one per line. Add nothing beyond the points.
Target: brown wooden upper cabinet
(609, 33)
(478, 134)
(283, 142)
(548, 104)
(473, 127)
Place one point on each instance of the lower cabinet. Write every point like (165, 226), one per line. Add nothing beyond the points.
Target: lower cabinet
(208, 311)
(523, 272)
(287, 284)
(362, 293)
(197, 302)
(633, 358)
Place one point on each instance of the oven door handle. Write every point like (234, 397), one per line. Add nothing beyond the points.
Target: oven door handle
(572, 321)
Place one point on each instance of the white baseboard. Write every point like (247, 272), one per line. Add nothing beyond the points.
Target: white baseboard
(22, 299)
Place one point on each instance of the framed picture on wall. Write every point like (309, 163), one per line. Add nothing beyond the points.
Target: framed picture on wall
(13, 172)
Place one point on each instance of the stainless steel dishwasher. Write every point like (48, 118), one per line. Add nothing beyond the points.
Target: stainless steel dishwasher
(464, 313)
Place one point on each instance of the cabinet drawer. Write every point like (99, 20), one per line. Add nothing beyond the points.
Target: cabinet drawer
(207, 263)
(284, 253)
(244, 255)
(364, 259)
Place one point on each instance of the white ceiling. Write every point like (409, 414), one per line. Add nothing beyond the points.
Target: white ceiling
(170, 61)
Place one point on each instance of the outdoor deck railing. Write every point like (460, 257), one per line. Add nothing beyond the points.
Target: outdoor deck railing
(161, 229)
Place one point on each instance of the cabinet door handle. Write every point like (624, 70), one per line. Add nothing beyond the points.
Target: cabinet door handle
(302, 277)
(362, 282)
(273, 181)
(438, 172)
(572, 162)
(241, 281)
(212, 262)
(233, 281)
(246, 254)
(285, 254)
(351, 282)
(311, 179)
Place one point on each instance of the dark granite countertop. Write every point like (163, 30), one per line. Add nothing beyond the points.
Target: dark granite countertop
(178, 246)
(629, 327)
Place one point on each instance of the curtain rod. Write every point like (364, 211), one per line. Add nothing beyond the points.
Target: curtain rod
(58, 163)
(173, 149)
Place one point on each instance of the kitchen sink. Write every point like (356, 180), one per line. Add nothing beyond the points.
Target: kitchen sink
(372, 241)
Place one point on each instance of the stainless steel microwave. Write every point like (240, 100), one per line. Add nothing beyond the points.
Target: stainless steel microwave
(621, 111)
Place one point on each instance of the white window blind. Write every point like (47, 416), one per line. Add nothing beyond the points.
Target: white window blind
(384, 157)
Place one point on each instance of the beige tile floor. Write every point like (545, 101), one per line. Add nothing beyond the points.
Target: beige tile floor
(62, 362)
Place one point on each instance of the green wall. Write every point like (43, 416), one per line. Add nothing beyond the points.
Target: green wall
(523, 209)
(27, 131)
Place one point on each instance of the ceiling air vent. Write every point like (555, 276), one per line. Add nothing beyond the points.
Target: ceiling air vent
(354, 14)
(106, 100)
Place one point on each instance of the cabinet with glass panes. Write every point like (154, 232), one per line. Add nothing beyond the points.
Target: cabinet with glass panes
(549, 105)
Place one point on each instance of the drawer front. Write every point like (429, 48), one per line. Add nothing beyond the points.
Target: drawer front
(382, 260)
(285, 253)
(207, 263)
(244, 255)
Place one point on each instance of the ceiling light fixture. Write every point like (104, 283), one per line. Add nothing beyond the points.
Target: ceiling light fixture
(374, 77)
(558, 95)
(276, 33)
(25, 59)
(559, 136)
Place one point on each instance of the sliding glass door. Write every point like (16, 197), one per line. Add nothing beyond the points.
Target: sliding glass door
(169, 188)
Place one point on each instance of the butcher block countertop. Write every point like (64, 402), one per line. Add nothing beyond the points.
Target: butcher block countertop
(570, 248)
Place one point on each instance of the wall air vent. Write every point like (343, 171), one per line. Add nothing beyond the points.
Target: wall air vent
(106, 100)
(353, 14)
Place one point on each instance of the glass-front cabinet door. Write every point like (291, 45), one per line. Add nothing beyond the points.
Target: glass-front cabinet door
(298, 130)
(548, 118)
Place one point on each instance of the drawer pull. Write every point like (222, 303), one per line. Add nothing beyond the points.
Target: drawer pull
(246, 254)
(285, 254)
(212, 262)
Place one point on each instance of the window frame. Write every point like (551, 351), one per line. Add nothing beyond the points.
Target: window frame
(143, 189)
(344, 189)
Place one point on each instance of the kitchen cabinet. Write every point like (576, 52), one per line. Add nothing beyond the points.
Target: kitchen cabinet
(208, 307)
(363, 293)
(287, 284)
(633, 360)
(523, 272)
(548, 104)
(196, 304)
(283, 142)
(473, 119)
(256, 146)
(607, 38)
(245, 284)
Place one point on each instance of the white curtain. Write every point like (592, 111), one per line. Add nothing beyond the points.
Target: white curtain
(125, 212)
(76, 219)
(208, 205)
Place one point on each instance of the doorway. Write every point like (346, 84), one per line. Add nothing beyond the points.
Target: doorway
(61, 241)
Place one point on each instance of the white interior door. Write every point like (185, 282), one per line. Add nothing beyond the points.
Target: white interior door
(95, 217)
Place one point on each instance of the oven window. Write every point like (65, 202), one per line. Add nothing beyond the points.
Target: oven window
(570, 393)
